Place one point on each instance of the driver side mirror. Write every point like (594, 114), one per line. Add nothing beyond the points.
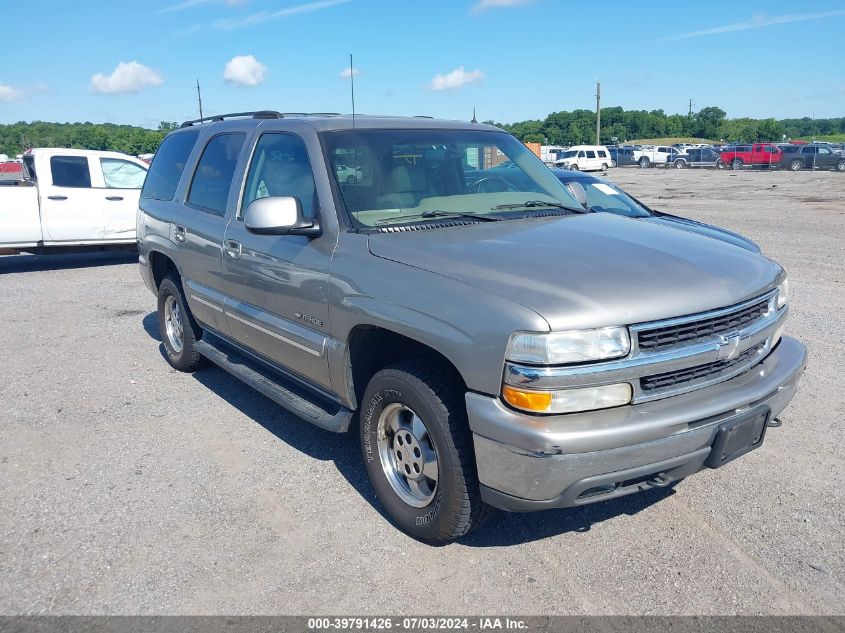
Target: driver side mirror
(279, 216)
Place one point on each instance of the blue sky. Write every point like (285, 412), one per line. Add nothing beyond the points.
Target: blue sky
(136, 61)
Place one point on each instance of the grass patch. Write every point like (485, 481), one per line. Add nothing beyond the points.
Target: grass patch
(833, 138)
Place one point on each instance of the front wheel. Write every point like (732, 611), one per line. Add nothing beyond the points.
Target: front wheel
(613, 163)
(418, 451)
(795, 165)
(679, 164)
(604, 166)
(736, 163)
(840, 166)
(644, 162)
(574, 167)
(179, 331)
(720, 164)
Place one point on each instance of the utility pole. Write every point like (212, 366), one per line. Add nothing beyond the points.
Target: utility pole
(690, 107)
(598, 112)
(199, 97)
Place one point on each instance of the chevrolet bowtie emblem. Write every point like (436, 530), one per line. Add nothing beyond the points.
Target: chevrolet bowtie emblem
(728, 346)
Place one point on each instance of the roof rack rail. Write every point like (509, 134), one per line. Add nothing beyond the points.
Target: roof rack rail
(258, 114)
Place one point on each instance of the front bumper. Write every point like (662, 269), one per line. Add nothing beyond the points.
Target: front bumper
(528, 462)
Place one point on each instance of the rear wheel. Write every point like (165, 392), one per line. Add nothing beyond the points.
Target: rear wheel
(644, 162)
(795, 165)
(418, 451)
(613, 163)
(680, 164)
(574, 167)
(736, 163)
(179, 331)
(720, 164)
(604, 166)
(840, 166)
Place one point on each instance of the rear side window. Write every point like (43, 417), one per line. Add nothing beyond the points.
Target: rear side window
(591, 154)
(602, 154)
(168, 164)
(70, 171)
(213, 177)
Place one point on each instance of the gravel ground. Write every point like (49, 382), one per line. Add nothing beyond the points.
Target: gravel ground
(129, 488)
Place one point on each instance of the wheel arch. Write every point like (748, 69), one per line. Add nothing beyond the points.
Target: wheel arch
(370, 348)
(161, 265)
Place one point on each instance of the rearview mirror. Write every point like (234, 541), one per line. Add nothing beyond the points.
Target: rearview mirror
(279, 216)
(578, 191)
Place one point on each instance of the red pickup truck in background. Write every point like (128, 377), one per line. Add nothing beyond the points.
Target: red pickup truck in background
(738, 156)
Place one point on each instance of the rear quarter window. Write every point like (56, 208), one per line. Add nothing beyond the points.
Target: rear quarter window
(169, 163)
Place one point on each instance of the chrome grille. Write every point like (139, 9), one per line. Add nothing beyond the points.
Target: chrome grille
(690, 374)
(689, 331)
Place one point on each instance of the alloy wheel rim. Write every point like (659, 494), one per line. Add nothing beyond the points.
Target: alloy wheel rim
(408, 457)
(173, 323)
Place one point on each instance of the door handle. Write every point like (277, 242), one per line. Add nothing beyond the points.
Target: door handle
(114, 198)
(179, 233)
(56, 197)
(232, 248)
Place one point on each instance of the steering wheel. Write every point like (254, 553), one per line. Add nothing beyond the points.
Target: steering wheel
(480, 185)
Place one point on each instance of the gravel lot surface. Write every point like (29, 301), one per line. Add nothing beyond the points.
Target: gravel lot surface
(126, 487)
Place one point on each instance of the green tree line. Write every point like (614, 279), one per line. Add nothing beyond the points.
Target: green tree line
(18, 137)
(579, 126)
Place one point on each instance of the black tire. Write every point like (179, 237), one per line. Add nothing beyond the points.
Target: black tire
(187, 358)
(795, 165)
(574, 167)
(604, 167)
(736, 163)
(435, 395)
(680, 164)
(351, 180)
(720, 164)
(645, 162)
(613, 163)
(840, 166)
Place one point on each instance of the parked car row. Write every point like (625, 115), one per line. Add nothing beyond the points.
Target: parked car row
(793, 157)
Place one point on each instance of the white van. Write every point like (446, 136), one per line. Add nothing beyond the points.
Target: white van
(585, 158)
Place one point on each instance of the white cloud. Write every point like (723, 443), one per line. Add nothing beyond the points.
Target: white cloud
(757, 22)
(455, 80)
(190, 4)
(483, 5)
(9, 93)
(245, 71)
(262, 17)
(347, 72)
(127, 78)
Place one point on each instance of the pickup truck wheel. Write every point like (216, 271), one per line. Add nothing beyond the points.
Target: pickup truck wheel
(795, 165)
(418, 452)
(179, 331)
(679, 164)
(645, 162)
(736, 163)
(840, 166)
(613, 163)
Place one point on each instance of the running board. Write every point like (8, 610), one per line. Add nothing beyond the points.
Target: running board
(295, 398)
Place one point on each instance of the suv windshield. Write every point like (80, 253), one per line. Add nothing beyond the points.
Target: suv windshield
(390, 177)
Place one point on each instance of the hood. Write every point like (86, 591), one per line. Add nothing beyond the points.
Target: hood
(704, 229)
(585, 271)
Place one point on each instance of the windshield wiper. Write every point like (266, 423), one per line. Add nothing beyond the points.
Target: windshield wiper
(529, 204)
(439, 214)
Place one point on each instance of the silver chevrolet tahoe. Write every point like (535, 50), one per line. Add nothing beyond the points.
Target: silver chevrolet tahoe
(498, 343)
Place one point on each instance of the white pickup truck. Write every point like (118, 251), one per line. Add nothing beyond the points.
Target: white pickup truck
(661, 155)
(70, 197)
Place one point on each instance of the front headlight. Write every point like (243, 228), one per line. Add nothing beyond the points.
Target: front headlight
(783, 293)
(575, 346)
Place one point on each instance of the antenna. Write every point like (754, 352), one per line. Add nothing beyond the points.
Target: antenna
(199, 97)
(354, 131)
